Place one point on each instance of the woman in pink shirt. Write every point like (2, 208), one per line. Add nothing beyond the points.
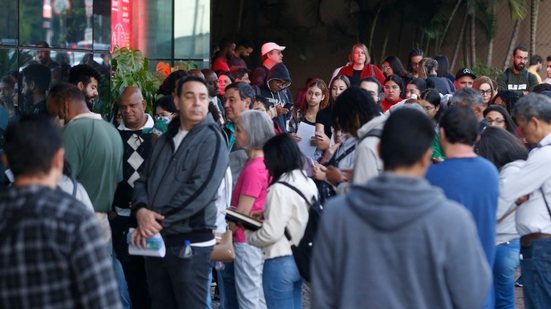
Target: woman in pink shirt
(252, 130)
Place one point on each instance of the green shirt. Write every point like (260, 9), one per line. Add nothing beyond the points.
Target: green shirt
(93, 148)
(437, 153)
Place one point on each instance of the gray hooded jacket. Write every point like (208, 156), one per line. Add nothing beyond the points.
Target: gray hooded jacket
(398, 243)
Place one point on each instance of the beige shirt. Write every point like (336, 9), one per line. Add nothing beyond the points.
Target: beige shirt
(532, 216)
(284, 208)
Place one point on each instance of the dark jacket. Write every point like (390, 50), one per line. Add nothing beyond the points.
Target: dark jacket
(182, 185)
(441, 84)
(283, 97)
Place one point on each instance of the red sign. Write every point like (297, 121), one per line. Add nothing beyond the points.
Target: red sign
(121, 23)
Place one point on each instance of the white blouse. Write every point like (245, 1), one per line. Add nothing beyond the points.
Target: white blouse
(284, 208)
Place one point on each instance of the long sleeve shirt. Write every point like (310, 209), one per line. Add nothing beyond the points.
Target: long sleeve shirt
(532, 216)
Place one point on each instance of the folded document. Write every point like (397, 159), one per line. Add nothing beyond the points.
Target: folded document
(155, 246)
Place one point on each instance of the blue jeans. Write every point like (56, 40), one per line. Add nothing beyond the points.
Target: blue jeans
(121, 282)
(536, 274)
(506, 261)
(282, 283)
(228, 296)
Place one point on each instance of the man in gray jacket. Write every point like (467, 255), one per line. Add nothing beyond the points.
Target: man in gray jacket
(397, 242)
(176, 197)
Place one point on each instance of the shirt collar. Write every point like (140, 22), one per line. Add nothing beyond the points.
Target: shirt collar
(545, 141)
(148, 124)
(87, 115)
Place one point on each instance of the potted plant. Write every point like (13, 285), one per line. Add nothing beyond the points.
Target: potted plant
(130, 68)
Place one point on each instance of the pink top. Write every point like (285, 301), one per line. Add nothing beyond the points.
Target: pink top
(253, 182)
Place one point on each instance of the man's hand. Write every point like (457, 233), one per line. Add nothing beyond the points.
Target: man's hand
(521, 200)
(333, 175)
(148, 222)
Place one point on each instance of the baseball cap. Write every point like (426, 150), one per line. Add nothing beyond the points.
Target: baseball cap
(268, 47)
(465, 72)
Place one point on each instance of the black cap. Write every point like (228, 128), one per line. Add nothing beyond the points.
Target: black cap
(465, 72)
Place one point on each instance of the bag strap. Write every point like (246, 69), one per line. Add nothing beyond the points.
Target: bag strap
(545, 200)
(288, 185)
(75, 185)
(335, 161)
(507, 214)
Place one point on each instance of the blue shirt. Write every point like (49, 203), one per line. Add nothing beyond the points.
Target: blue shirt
(474, 183)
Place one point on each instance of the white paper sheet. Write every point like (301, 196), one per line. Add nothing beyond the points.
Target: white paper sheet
(306, 132)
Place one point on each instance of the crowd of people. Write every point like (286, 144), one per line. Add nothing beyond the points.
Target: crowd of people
(433, 186)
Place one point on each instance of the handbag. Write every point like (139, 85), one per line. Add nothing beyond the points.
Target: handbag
(223, 250)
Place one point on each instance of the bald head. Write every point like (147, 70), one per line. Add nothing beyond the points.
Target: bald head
(132, 108)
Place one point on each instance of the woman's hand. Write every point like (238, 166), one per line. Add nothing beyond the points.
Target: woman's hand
(319, 172)
(295, 137)
(329, 153)
(321, 141)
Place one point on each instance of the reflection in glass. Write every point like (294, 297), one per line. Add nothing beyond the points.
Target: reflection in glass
(8, 80)
(61, 23)
(156, 40)
(8, 22)
(192, 29)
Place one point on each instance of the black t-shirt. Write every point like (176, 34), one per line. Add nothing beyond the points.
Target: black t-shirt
(325, 117)
(355, 78)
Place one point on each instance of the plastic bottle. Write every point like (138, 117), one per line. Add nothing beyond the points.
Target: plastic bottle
(219, 265)
(187, 249)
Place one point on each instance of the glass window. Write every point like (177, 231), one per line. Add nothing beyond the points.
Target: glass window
(192, 29)
(153, 29)
(8, 80)
(61, 23)
(8, 22)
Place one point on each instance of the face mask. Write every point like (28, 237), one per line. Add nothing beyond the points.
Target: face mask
(164, 119)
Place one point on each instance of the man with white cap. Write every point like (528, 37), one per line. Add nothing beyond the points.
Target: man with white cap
(271, 55)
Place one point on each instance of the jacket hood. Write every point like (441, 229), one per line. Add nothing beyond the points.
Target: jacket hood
(279, 71)
(375, 123)
(390, 202)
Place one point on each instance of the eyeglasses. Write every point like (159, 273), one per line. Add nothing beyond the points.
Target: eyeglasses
(496, 121)
(486, 92)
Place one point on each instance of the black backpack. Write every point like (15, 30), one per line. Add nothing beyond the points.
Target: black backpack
(303, 252)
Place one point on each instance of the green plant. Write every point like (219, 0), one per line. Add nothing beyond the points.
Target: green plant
(484, 70)
(130, 68)
(185, 65)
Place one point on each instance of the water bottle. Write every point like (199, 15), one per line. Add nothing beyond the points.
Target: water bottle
(187, 249)
(219, 265)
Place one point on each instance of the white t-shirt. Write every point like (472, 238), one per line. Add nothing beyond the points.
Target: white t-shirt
(178, 138)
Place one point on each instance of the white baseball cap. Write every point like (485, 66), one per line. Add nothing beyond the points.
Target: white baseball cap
(268, 47)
